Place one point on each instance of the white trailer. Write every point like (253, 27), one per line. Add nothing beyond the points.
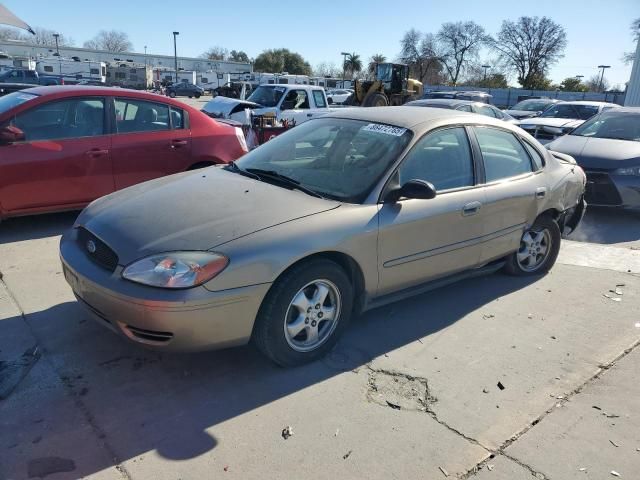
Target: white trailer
(168, 75)
(73, 71)
(8, 62)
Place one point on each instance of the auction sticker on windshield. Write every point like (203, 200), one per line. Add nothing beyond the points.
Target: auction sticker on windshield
(386, 129)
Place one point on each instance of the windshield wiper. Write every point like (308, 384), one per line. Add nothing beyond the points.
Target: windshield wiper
(273, 175)
(233, 166)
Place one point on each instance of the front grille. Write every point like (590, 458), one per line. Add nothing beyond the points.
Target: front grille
(601, 190)
(98, 251)
(150, 335)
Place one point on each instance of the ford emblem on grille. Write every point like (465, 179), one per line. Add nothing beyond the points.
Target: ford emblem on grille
(91, 246)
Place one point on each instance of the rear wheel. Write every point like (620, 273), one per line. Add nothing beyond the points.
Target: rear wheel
(172, 94)
(304, 313)
(197, 95)
(539, 248)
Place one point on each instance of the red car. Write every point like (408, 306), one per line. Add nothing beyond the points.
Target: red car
(63, 146)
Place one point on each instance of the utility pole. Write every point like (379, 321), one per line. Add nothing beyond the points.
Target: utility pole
(175, 54)
(603, 67)
(486, 67)
(145, 56)
(344, 65)
(56, 35)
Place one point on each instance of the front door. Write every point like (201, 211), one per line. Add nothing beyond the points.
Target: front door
(296, 106)
(151, 140)
(65, 159)
(421, 240)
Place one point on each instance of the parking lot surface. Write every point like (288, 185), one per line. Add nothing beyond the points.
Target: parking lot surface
(492, 378)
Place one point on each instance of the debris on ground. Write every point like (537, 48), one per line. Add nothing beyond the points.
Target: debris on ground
(346, 455)
(615, 299)
(444, 472)
(614, 473)
(398, 391)
(530, 316)
(582, 469)
(637, 324)
(487, 316)
(484, 390)
(490, 467)
(596, 407)
(614, 443)
(226, 468)
(501, 386)
(287, 432)
(337, 432)
(394, 405)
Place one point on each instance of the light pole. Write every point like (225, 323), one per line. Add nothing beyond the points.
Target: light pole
(486, 67)
(175, 53)
(344, 66)
(603, 67)
(56, 35)
(145, 56)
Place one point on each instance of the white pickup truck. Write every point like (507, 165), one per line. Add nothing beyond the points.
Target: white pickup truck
(286, 102)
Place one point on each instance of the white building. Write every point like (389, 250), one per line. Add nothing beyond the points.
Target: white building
(24, 49)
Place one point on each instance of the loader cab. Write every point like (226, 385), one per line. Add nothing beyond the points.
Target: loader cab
(394, 76)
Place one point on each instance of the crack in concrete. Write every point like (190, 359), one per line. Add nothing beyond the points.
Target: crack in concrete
(79, 404)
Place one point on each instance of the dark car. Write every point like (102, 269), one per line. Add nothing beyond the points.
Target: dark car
(465, 106)
(184, 89)
(475, 96)
(531, 107)
(607, 147)
(62, 147)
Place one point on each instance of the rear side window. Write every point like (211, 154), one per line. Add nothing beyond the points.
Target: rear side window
(503, 155)
(140, 116)
(443, 158)
(318, 97)
(463, 108)
(178, 120)
(486, 111)
(535, 156)
(73, 118)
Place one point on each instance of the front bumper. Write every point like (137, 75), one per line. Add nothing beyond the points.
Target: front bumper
(171, 320)
(607, 190)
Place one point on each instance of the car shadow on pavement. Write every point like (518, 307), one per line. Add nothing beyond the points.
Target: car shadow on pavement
(36, 226)
(608, 226)
(140, 401)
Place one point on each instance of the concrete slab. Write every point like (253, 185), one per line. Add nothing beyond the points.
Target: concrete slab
(598, 430)
(502, 468)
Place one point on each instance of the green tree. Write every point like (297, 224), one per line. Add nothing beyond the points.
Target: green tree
(216, 53)
(374, 60)
(352, 64)
(573, 84)
(281, 60)
(238, 56)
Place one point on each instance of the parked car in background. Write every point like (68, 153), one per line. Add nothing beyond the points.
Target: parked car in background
(62, 147)
(20, 75)
(465, 106)
(337, 96)
(531, 108)
(607, 147)
(561, 118)
(184, 89)
(285, 245)
(239, 90)
(475, 96)
(7, 88)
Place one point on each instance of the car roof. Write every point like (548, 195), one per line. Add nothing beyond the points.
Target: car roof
(299, 85)
(624, 110)
(454, 102)
(548, 100)
(406, 117)
(591, 103)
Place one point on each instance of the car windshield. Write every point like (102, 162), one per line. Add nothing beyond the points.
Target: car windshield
(14, 99)
(267, 95)
(580, 112)
(336, 158)
(625, 126)
(530, 106)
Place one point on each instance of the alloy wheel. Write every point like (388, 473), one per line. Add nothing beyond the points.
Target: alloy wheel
(534, 249)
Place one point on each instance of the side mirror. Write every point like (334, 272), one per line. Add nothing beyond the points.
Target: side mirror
(10, 134)
(412, 189)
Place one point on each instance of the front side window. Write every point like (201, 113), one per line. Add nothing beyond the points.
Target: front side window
(337, 158)
(462, 108)
(74, 118)
(443, 158)
(296, 99)
(486, 111)
(318, 97)
(140, 116)
(503, 155)
(267, 96)
(48, 69)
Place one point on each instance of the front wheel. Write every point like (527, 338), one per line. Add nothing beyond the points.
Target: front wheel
(304, 313)
(172, 94)
(539, 248)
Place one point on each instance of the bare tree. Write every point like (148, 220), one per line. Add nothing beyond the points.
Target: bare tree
(327, 69)
(43, 36)
(530, 46)
(418, 51)
(458, 46)
(110, 40)
(595, 85)
(628, 57)
(9, 34)
(216, 53)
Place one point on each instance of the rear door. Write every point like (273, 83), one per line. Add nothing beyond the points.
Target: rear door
(421, 240)
(513, 190)
(65, 159)
(151, 139)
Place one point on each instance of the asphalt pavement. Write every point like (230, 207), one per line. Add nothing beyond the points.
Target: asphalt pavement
(492, 378)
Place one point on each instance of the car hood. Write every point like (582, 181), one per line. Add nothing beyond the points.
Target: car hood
(552, 122)
(197, 210)
(223, 107)
(600, 153)
(521, 113)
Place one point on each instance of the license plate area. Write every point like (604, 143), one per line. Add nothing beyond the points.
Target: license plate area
(72, 279)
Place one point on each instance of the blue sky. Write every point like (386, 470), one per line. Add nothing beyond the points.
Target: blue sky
(598, 31)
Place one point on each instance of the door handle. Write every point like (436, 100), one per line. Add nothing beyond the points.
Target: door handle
(309, 114)
(178, 143)
(541, 192)
(96, 152)
(471, 209)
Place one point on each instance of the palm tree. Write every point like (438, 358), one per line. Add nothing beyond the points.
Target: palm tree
(374, 60)
(352, 63)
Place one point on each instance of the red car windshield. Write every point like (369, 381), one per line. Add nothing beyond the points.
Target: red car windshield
(14, 99)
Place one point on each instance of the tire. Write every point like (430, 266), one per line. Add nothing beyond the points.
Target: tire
(172, 94)
(197, 95)
(300, 287)
(375, 100)
(539, 248)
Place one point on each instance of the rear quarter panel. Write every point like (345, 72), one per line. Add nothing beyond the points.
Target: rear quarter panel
(213, 142)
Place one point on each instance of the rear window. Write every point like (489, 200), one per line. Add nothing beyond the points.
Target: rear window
(318, 97)
(14, 99)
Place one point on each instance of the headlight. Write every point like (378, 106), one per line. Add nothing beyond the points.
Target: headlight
(627, 171)
(176, 269)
